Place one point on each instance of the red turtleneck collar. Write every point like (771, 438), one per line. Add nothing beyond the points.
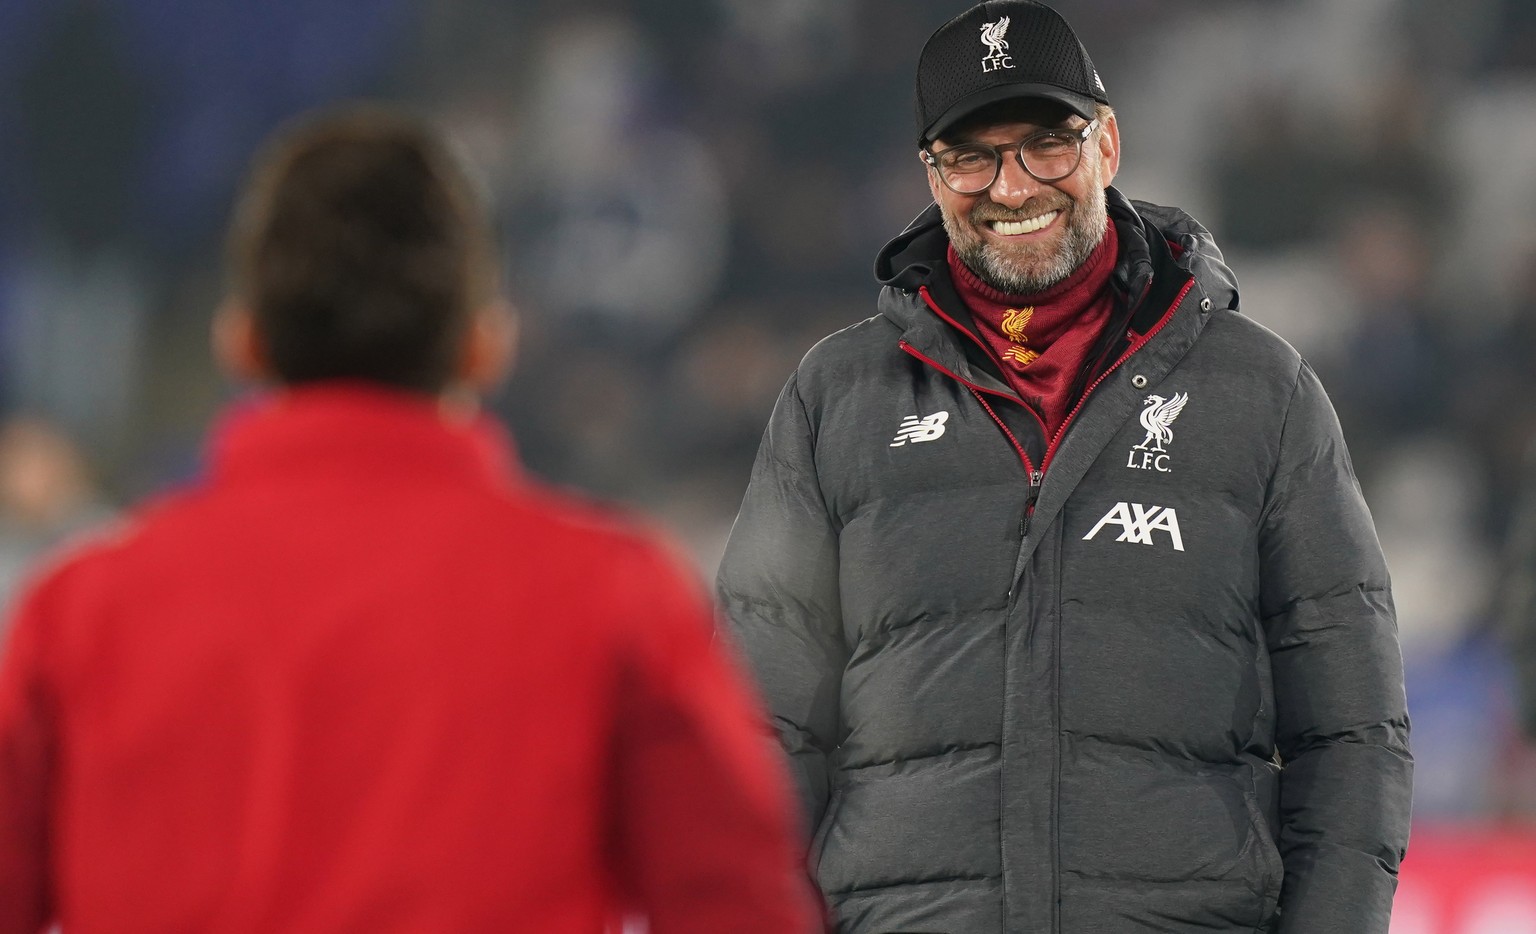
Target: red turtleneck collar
(1042, 341)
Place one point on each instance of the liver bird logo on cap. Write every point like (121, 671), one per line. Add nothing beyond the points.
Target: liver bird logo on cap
(992, 38)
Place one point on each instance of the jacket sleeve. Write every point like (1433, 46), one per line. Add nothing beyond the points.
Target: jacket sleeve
(26, 755)
(702, 809)
(778, 586)
(1341, 714)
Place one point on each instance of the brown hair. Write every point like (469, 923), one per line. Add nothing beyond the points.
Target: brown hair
(361, 251)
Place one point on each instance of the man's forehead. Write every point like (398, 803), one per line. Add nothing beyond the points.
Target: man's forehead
(1014, 115)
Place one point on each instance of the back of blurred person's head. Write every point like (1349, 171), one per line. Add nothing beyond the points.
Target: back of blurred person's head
(360, 252)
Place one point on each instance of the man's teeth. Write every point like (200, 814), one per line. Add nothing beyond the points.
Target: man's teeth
(1013, 228)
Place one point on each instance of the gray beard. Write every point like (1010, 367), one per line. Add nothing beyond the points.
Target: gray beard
(1085, 230)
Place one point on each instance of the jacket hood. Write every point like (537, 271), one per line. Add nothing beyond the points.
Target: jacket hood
(917, 254)
(1196, 248)
(909, 260)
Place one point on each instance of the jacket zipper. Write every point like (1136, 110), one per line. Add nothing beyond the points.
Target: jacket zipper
(1036, 477)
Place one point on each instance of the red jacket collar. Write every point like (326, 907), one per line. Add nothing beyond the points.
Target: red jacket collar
(359, 429)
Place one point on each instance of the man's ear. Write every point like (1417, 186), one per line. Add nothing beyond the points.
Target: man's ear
(489, 347)
(237, 344)
(933, 176)
(1109, 150)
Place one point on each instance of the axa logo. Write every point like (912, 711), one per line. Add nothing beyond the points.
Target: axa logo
(1138, 522)
(1157, 419)
(916, 429)
(997, 47)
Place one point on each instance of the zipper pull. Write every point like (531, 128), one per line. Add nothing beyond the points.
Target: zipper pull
(1035, 478)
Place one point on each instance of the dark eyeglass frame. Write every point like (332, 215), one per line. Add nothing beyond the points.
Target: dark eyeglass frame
(1078, 136)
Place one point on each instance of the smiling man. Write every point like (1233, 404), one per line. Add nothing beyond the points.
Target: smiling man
(1055, 572)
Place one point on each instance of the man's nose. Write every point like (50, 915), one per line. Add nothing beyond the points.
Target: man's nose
(1013, 186)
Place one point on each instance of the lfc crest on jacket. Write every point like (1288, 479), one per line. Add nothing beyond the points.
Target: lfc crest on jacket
(1157, 417)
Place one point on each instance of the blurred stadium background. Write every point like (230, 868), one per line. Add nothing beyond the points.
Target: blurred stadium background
(691, 193)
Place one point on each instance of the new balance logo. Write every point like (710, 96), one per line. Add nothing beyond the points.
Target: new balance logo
(1138, 522)
(916, 429)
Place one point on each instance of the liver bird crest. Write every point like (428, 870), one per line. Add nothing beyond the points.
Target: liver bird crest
(1156, 419)
(1015, 320)
(992, 37)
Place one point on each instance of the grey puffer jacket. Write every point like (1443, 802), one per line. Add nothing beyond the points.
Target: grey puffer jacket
(1140, 677)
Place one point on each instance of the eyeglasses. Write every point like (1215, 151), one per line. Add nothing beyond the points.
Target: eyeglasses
(1049, 156)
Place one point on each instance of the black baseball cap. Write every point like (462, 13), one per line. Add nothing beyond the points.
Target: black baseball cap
(1001, 50)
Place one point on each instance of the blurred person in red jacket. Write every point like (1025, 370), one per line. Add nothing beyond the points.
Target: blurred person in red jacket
(363, 677)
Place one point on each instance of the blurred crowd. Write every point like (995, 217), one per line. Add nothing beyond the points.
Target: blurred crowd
(691, 193)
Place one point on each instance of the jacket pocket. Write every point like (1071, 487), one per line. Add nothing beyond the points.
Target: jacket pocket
(823, 832)
(1266, 856)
